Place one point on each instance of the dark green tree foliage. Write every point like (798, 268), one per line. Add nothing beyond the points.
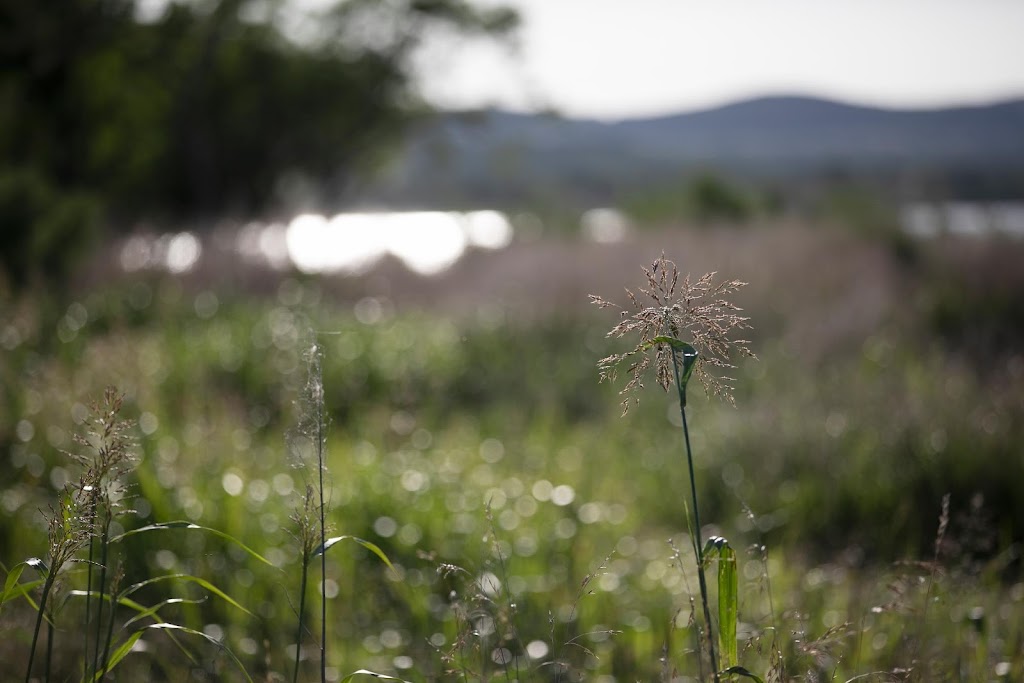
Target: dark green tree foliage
(201, 111)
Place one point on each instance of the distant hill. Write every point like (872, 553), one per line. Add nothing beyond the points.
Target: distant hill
(501, 157)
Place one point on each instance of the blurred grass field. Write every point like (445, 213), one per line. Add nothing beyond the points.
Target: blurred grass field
(468, 428)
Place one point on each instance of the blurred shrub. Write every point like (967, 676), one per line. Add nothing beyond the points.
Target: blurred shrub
(201, 110)
(706, 198)
(43, 232)
(869, 214)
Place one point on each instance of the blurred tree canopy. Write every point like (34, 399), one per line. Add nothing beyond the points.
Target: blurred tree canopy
(199, 109)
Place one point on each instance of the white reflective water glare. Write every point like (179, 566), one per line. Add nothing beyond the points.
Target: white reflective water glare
(426, 242)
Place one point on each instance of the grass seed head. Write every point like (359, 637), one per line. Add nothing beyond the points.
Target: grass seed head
(695, 311)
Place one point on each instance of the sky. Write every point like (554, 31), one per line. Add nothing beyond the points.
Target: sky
(614, 59)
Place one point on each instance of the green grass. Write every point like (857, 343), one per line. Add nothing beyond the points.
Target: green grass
(492, 448)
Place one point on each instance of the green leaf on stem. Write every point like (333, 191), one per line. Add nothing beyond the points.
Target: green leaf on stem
(117, 655)
(740, 671)
(180, 524)
(200, 634)
(319, 550)
(365, 672)
(728, 598)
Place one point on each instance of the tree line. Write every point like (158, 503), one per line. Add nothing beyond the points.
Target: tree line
(205, 108)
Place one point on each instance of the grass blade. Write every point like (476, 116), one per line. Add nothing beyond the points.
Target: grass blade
(11, 582)
(181, 524)
(366, 672)
(14, 589)
(366, 544)
(117, 655)
(740, 671)
(728, 597)
(194, 579)
(222, 646)
(727, 604)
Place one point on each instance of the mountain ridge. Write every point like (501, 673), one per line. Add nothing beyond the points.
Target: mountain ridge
(494, 155)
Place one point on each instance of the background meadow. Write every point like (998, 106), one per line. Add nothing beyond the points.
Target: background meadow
(474, 434)
(195, 193)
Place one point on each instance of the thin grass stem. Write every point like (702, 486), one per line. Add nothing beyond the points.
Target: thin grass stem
(115, 587)
(102, 587)
(698, 543)
(49, 649)
(302, 614)
(47, 586)
(323, 525)
(88, 606)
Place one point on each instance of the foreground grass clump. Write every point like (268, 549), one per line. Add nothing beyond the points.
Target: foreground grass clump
(842, 463)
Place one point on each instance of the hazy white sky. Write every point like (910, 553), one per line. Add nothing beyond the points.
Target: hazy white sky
(620, 58)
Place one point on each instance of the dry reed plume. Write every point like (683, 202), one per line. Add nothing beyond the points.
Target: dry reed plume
(697, 308)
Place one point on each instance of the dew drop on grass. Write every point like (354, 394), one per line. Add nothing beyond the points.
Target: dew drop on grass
(232, 483)
(565, 528)
(165, 559)
(626, 546)
(390, 638)
(215, 631)
(537, 649)
(372, 644)
(283, 484)
(492, 450)
(206, 305)
(609, 582)
(525, 546)
(542, 490)
(385, 527)
(562, 495)
(589, 513)
(148, 423)
(410, 534)
(489, 584)
(59, 477)
(508, 520)
(526, 506)
(56, 437)
(25, 430)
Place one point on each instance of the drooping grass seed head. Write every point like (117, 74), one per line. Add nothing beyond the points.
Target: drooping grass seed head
(697, 312)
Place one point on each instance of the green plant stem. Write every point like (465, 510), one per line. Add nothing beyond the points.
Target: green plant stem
(698, 542)
(323, 534)
(302, 614)
(49, 648)
(104, 542)
(47, 586)
(88, 605)
(110, 635)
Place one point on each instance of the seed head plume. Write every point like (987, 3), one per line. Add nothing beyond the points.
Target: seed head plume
(307, 446)
(693, 311)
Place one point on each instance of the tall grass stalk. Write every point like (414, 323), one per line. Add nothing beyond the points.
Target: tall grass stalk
(68, 530)
(309, 448)
(689, 359)
(74, 526)
(107, 436)
(304, 520)
(700, 311)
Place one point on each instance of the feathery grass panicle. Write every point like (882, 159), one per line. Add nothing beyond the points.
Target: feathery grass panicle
(308, 446)
(698, 309)
(108, 437)
(85, 509)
